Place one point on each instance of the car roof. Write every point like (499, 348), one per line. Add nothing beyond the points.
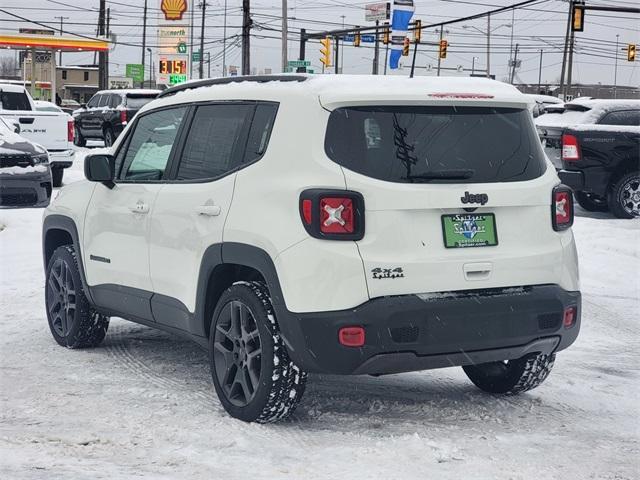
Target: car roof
(335, 90)
(128, 91)
(11, 87)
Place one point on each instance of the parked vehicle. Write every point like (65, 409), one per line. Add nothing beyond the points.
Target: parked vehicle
(43, 106)
(108, 113)
(543, 102)
(336, 224)
(52, 130)
(69, 105)
(25, 176)
(599, 140)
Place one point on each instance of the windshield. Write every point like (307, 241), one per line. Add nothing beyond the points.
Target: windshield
(138, 101)
(440, 144)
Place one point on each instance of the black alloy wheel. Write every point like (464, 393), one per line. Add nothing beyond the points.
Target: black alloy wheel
(238, 350)
(61, 297)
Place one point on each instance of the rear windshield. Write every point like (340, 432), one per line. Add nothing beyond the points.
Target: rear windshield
(442, 144)
(138, 101)
(14, 101)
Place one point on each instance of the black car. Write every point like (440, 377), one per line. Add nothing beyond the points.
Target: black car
(25, 175)
(107, 113)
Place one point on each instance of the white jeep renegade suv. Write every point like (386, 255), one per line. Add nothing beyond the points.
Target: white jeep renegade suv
(333, 224)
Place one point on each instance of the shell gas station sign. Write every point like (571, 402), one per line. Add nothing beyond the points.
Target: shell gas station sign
(173, 35)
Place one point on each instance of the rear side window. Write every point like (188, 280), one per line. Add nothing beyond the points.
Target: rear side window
(14, 101)
(115, 100)
(261, 126)
(215, 141)
(104, 100)
(136, 102)
(622, 117)
(438, 144)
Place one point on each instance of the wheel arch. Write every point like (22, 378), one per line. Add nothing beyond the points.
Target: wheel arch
(224, 264)
(59, 230)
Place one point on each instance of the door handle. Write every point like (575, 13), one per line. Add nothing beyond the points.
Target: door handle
(140, 207)
(208, 210)
(26, 120)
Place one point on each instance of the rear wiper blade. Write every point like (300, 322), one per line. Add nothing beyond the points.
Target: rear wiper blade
(442, 175)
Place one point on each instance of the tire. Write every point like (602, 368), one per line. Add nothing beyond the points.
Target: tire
(254, 377)
(56, 176)
(72, 320)
(591, 202)
(512, 376)
(108, 136)
(624, 197)
(78, 139)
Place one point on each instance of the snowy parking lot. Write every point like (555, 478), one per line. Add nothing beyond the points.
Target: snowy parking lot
(143, 405)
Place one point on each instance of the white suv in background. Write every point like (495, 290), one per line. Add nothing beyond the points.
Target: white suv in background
(333, 224)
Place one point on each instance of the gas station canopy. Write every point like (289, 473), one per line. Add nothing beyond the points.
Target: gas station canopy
(52, 43)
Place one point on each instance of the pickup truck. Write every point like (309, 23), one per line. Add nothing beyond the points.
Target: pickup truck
(53, 130)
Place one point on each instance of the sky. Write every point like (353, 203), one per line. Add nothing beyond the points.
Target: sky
(538, 26)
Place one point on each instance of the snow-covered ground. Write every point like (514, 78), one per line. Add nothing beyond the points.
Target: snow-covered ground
(143, 405)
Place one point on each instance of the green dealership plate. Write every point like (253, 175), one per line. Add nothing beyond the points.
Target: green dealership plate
(462, 230)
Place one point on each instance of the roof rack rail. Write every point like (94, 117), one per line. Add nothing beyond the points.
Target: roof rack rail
(226, 80)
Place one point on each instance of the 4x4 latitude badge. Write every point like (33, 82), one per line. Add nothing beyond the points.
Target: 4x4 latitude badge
(480, 198)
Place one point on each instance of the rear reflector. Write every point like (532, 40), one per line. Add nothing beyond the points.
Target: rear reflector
(562, 208)
(570, 148)
(569, 317)
(306, 211)
(351, 336)
(70, 131)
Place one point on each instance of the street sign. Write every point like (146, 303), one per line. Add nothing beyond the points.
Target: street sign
(377, 11)
(310, 70)
(135, 71)
(298, 63)
(195, 56)
(368, 38)
(349, 37)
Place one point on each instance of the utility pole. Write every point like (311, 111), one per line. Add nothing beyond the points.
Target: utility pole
(565, 50)
(61, 27)
(337, 54)
(302, 53)
(144, 39)
(106, 54)
(570, 66)
(224, 42)
(285, 34)
(473, 66)
(515, 59)
(513, 15)
(376, 51)
(488, 45)
(337, 42)
(203, 4)
(102, 64)
(615, 71)
(246, 30)
(540, 72)
(439, 59)
(191, 43)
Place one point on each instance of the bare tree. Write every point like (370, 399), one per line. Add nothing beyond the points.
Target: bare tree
(8, 67)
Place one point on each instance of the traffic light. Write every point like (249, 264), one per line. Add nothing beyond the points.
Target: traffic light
(442, 53)
(577, 23)
(356, 38)
(325, 51)
(386, 34)
(631, 52)
(417, 31)
(405, 47)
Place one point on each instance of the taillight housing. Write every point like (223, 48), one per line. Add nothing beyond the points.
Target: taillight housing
(562, 208)
(570, 148)
(123, 117)
(70, 131)
(332, 214)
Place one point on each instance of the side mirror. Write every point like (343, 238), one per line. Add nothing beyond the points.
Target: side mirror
(100, 168)
(83, 105)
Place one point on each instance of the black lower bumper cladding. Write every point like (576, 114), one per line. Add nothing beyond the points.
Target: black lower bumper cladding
(419, 332)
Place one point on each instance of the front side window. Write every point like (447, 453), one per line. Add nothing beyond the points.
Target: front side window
(438, 144)
(104, 101)
(150, 145)
(94, 101)
(215, 141)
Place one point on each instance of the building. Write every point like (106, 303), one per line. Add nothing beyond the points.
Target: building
(77, 82)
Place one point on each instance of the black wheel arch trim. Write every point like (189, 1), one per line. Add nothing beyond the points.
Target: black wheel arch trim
(68, 225)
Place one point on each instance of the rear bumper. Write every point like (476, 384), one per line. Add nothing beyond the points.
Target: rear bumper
(61, 158)
(411, 332)
(25, 190)
(592, 179)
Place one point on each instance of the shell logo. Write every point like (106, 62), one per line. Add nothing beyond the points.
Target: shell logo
(173, 9)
